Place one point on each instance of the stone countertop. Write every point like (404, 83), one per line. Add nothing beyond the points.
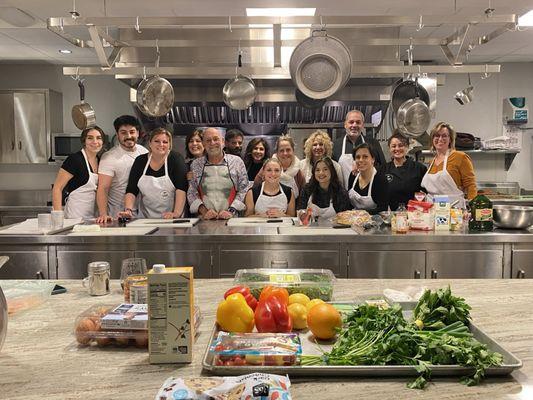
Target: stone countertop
(41, 360)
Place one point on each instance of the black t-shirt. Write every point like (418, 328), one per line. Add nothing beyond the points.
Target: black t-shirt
(379, 194)
(322, 198)
(256, 191)
(253, 169)
(177, 171)
(403, 181)
(75, 165)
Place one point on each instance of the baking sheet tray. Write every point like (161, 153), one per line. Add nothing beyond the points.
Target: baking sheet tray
(510, 361)
(163, 223)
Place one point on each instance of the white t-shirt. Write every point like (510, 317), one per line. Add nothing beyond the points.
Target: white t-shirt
(117, 163)
(307, 170)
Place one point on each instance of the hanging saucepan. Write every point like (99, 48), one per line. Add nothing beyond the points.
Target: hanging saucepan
(413, 116)
(406, 90)
(466, 95)
(320, 65)
(155, 95)
(239, 93)
(83, 114)
(307, 102)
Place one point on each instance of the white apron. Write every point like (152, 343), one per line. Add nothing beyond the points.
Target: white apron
(362, 202)
(81, 201)
(442, 183)
(326, 212)
(264, 202)
(346, 161)
(157, 195)
(216, 187)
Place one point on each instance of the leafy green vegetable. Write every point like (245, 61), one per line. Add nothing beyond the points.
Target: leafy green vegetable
(375, 336)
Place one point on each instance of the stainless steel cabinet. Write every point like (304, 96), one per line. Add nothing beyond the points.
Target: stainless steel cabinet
(522, 264)
(475, 263)
(199, 259)
(386, 264)
(24, 262)
(234, 257)
(72, 262)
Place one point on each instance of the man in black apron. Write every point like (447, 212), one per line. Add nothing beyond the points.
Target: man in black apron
(220, 182)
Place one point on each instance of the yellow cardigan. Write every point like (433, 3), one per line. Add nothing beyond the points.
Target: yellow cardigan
(461, 169)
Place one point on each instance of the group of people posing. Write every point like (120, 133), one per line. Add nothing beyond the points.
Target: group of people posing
(214, 182)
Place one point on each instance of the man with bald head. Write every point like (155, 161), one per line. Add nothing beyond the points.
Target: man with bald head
(219, 183)
(354, 125)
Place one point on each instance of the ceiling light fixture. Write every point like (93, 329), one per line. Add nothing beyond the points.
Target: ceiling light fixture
(526, 19)
(280, 12)
(65, 51)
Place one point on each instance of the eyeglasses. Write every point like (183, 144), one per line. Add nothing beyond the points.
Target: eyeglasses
(439, 136)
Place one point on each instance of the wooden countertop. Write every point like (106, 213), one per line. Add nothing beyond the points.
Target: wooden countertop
(41, 360)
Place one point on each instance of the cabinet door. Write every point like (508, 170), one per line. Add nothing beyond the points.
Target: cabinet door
(30, 127)
(233, 259)
(464, 264)
(72, 264)
(522, 264)
(7, 129)
(199, 259)
(24, 264)
(386, 264)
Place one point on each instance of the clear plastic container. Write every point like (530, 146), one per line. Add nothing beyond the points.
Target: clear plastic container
(88, 329)
(315, 283)
(23, 295)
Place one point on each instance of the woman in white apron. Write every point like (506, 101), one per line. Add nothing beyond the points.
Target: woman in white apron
(451, 172)
(79, 174)
(368, 189)
(317, 146)
(324, 195)
(158, 196)
(271, 198)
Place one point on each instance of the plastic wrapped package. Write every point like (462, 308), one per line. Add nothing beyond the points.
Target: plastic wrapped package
(260, 349)
(23, 295)
(315, 283)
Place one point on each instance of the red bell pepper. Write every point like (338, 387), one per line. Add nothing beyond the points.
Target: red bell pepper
(272, 315)
(281, 293)
(245, 291)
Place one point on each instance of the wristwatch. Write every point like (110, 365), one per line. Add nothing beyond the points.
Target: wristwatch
(232, 210)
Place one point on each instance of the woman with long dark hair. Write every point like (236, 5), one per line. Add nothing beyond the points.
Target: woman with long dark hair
(256, 153)
(324, 194)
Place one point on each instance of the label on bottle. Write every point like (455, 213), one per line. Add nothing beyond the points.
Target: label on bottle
(483, 214)
(401, 224)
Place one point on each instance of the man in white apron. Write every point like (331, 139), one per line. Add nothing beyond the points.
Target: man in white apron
(354, 124)
(220, 182)
(115, 166)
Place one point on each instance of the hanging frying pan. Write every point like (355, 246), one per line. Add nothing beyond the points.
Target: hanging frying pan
(239, 93)
(83, 114)
(413, 116)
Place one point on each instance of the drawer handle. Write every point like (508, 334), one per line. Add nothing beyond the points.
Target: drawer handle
(434, 274)
(279, 264)
(417, 274)
(20, 145)
(521, 274)
(39, 275)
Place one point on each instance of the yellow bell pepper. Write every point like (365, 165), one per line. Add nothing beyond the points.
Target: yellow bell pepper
(235, 315)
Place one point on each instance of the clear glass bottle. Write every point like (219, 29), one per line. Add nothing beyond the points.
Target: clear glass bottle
(402, 224)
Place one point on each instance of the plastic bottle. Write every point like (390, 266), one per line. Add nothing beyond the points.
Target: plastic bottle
(402, 224)
(480, 214)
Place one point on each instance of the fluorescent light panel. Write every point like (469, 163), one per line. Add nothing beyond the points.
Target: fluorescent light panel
(526, 19)
(65, 51)
(280, 12)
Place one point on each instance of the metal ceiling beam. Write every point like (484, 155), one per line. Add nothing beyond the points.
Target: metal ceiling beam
(276, 44)
(218, 72)
(463, 47)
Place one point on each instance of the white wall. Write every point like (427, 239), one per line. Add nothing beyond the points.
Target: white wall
(108, 97)
(483, 117)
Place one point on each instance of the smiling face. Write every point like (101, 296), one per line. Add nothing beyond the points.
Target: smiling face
(272, 172)
(318, 149)
(258, 153)
(234, 145)
(195, 146)
(398, 149)
(322, 173)
(212, 142)
(364, 160)
(93, 141)
(354, 124)
(441, 140)
(127, 136)
(160, 145)
(285, 153)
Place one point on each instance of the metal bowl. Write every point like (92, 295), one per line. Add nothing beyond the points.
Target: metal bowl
(512, 217)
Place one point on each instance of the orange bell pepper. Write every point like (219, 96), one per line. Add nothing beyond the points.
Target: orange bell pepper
(281, 293)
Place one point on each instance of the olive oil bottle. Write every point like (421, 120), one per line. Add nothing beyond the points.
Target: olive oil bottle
(480, 214)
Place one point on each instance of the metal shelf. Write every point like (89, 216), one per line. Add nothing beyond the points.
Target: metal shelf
(509, 154)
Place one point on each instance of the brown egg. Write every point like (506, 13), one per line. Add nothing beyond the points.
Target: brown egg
(103, 341)
(82, 330)
(122, 341)
(141, 339)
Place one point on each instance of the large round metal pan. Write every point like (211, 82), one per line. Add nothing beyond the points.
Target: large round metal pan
(155, 96)
(239, 93)
(406, 90)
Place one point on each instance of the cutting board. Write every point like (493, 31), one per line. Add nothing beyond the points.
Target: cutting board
(163, 223)
(258, 221)
(302, 230)
(30, 227)
(118, 232)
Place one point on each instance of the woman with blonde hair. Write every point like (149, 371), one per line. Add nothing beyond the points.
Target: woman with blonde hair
(451, 172)
(159, 178)
(317, 146)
